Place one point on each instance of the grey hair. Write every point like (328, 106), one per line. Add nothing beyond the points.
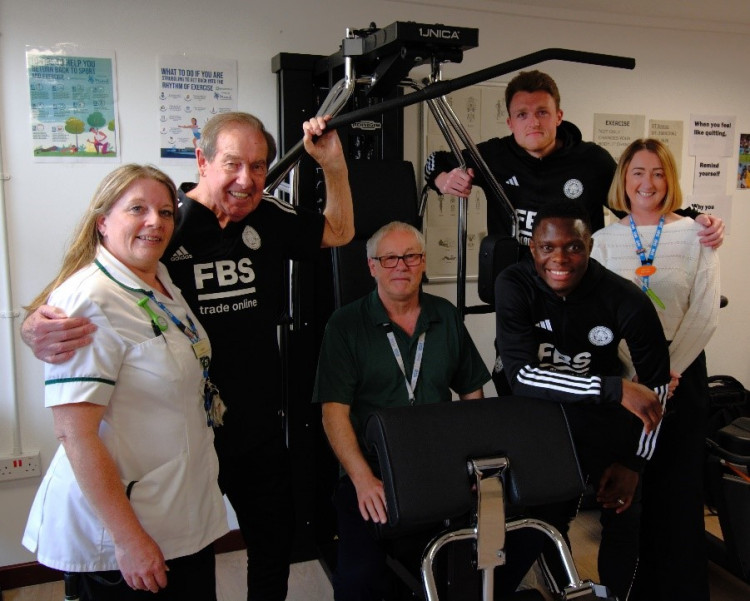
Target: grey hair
(217, 124)
(393, 226)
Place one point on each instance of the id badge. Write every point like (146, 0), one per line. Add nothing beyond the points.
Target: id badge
(201, 348)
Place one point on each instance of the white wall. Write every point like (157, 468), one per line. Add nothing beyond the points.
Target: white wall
(677, 73)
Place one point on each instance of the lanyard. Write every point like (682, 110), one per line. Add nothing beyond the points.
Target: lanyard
(191, 332)
(212, 403)
(410, 386)
(200, 347)
(647, 269)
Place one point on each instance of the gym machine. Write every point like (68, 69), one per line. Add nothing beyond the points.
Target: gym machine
(727, 478)
(366, 86)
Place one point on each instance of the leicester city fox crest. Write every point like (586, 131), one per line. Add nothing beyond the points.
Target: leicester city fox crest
(251, 238)
(600, 336)
(573, 188)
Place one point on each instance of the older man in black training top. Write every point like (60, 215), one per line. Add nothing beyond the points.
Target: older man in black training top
(227, 257)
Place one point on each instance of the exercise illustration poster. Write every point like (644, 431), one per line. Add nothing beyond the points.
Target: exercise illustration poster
(191, 91)
(73, 106)
(441, 234)
(494, 114)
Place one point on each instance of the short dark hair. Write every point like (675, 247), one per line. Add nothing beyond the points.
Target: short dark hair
(562, 209)
(531, 81)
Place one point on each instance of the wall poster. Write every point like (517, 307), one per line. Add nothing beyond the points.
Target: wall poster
(481, 110)
(73, 105)
(743, 163)
(191, 90)
(614, 133)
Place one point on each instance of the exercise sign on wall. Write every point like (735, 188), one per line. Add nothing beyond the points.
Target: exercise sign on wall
(191, 91)
(73, 106)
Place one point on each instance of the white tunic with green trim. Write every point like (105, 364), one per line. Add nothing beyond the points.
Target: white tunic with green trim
(154, 425)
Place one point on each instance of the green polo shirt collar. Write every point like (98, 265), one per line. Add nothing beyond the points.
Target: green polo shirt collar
(427, 313)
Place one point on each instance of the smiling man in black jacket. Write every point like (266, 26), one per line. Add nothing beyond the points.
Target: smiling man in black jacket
(543, 160)
(560, 319)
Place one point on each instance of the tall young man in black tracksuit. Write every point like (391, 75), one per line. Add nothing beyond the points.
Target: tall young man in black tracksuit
(543, 160)
(560, 319)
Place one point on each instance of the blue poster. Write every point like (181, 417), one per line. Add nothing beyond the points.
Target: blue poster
(192, 89)
(73, 106)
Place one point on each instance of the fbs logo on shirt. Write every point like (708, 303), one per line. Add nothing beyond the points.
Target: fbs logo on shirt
(549, 356)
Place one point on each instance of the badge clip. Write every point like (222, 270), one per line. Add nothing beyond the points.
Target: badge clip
(158, 320)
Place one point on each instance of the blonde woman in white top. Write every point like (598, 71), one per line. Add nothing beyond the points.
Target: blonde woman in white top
(131, 500)
(659, 251)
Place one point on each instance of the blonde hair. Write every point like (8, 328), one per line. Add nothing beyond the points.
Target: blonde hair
(618, 198)
(86, 237)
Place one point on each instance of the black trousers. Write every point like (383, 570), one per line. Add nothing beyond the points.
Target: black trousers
(258, 485)
(674, 562)
(189, 577)
(618, 551)
(600, 434)
(362, 574)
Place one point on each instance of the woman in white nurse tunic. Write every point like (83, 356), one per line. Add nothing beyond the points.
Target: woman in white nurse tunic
(131, 498)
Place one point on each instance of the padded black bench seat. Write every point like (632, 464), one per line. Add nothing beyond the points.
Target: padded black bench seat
(445, 460)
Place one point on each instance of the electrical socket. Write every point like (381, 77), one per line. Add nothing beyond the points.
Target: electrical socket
(15, 467)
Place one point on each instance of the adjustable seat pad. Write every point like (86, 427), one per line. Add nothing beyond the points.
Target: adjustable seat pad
(423, 453)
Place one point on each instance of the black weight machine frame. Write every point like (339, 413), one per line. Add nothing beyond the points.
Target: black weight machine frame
(434, 95)
(299, 333)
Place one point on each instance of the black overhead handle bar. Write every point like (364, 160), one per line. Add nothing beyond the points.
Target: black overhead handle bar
(441, 88)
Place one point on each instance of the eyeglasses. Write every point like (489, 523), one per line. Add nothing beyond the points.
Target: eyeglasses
(390, 261)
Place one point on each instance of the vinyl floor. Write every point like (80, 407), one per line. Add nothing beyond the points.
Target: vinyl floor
(308, 580)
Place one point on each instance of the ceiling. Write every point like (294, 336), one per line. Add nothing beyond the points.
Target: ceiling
(729, 15)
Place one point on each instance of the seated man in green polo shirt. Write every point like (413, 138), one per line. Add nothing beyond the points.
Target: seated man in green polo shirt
(397, 346)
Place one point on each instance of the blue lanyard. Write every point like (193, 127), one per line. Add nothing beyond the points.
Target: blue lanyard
(647, 260)
(191, 332)
(212, 403)
(641, 252)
